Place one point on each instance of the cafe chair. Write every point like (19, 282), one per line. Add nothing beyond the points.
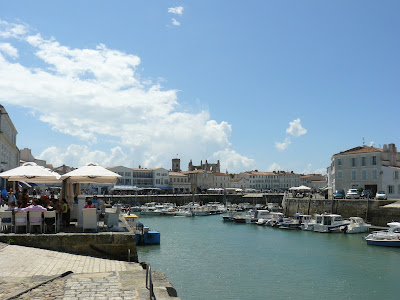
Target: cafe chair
(21, 219)
(6, 219)
(50, 219)
(35, 219)
(89, 219)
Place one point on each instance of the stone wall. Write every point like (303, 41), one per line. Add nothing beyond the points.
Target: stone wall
(371, 210)
(108, 244)
(204, 198)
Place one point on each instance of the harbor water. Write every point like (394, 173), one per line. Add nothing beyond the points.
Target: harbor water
(206, 258)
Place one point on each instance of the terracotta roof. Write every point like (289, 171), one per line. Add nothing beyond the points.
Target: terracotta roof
(195, 172)
(177, 174)
(108, 168)
(360, 149)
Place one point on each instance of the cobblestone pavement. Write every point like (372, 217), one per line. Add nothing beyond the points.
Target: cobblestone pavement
(31, 273)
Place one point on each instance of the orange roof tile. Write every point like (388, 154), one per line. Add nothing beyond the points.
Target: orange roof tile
(360, 149)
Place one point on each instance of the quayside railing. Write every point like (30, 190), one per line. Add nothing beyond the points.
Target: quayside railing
(149, 282)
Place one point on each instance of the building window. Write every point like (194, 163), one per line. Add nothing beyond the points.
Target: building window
(353, 162)
(396, 174)
(398, 189)
(374, 160)
(353, 175)
(363, 161)
(374, 174)
(339, 161)
(390, 189)
(340, 175)
(364, 175)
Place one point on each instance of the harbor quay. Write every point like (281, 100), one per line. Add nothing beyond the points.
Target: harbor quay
(377, 212)
(33, 273)
(72, 264)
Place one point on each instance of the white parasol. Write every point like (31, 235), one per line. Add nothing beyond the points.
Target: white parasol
(31, 172)
(91, 173)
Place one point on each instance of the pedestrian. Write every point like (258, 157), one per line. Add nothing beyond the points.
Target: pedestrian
(65, 213)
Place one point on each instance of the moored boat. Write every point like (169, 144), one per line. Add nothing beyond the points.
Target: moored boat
(357, 225)
(331, 223)
(386, 238)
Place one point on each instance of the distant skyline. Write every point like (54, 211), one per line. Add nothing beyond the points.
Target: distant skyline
(269, 85)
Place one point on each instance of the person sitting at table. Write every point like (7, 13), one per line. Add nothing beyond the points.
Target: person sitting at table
(89, 204)
(34, 207)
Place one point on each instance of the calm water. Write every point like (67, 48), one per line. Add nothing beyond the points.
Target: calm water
(205, 258)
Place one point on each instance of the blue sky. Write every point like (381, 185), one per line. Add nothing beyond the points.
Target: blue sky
(261, 85)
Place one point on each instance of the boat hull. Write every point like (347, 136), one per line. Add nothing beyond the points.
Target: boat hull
(384, 243)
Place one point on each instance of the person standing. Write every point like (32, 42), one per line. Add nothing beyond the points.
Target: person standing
(66, 212)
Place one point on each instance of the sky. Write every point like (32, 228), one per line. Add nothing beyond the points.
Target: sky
(259, 85)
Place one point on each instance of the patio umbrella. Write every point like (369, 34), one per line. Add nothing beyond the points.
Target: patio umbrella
(91, 173)
(31, 172)
(303, 188)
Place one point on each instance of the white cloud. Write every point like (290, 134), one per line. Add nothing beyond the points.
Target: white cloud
(10, 30)
(309, 170)
(232, 161)
(79, 155)
(296, 129)
(274, 167)
(8, 49)
(176, 10)
(96, 96)
(283, 146)
(175, 22)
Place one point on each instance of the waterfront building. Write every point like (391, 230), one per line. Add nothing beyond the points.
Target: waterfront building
(314, 181)
(276, 180)
(367, 167)
(200, 180)
(9, 156)
(222, 180)
(179, 182)
(239, 183)
(142, 177)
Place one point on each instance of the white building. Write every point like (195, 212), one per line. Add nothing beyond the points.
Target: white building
(9, 156)
(142, 177)
(367, 167)
(276, 180)
(179, 182)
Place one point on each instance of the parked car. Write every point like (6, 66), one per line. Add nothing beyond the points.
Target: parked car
(339, 194)
(352, 194)
(381, 195)
(367, 194)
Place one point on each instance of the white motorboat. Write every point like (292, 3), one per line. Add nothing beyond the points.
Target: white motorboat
(276, 219)
(308, 224)
(254, 215)
(183, 213)
(357, 225)
(295, 222)
(387, 238)
(331, 223)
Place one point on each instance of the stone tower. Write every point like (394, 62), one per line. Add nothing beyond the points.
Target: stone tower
(176, 165)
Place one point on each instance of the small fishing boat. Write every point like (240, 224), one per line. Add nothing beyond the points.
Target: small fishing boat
(331, 223)
(308, 225)
(357, 225)
(386, 238)
(230, 215)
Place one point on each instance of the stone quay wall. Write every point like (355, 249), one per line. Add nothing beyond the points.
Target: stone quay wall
(114, 245)
(373, 211)
(182, 199)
